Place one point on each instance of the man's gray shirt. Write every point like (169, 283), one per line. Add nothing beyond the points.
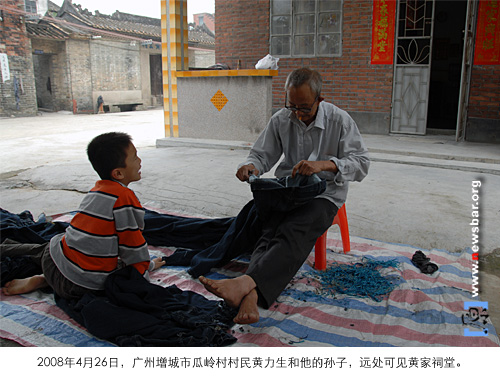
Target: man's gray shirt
(333, 136)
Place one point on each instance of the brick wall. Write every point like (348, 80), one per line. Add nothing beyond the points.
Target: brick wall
(242, 30)
(119, 74)
(17, 95)
(484, 100)
(80, 75)
(115, 66)
(350, 81)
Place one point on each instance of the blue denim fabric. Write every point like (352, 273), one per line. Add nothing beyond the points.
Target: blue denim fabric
(134, 312)
(160, 229)
(239, 238)
(210, 240)
(284, 194)
(23, 228)
(178, 231)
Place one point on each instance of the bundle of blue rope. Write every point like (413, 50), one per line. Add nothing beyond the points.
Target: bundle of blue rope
(361, 279)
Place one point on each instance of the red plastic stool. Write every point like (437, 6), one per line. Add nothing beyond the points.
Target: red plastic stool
(320, 246)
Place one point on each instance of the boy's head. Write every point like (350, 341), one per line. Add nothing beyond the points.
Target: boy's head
(114, 157)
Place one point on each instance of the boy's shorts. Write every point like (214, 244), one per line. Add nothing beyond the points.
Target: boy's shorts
(60, 284)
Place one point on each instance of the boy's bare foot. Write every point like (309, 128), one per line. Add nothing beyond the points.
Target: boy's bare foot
(249, 311)
(232, 290)
(24, 285)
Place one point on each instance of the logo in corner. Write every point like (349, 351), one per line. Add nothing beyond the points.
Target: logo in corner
(476, 318)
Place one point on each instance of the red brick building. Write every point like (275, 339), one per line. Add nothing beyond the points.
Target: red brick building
(206, 19)
(428, 80)
(17, 87)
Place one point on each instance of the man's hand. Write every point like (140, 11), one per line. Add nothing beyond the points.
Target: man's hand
(245, 171)
(313, 167)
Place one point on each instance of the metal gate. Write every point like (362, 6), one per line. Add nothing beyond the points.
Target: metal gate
(412, 68)
(470, 27)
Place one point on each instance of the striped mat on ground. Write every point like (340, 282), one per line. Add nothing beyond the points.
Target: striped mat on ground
(402, 307)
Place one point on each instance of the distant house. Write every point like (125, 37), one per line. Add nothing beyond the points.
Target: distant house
(71, 59)
(206, 19)
(201, 46)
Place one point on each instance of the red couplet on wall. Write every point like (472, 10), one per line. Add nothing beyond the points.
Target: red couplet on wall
(487, 49)
(384, 16)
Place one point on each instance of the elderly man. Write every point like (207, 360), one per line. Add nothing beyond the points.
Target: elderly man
(315, 137)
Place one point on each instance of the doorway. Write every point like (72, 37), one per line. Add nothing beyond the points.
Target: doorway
(42, 67)
(156, 81)
(446, 66)
(431, 70)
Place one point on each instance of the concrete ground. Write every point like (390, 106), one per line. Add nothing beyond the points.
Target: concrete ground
(419, 190)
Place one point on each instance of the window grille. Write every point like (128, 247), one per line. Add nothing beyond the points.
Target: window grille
(306, 28)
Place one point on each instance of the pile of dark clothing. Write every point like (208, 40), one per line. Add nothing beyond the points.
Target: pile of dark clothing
(131, 311)
(22, 228)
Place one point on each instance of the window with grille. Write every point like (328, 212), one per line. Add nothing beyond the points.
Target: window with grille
(414, 32)
(306, 28)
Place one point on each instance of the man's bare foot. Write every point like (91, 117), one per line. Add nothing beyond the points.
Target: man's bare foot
(24, 285)
(249, 311)
(232, 290)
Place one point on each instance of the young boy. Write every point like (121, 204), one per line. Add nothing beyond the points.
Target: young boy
(106, 233)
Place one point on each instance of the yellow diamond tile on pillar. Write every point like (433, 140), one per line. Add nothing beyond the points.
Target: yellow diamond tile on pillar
(219, 100)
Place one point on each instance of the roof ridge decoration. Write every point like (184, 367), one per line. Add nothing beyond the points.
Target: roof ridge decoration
(71, 19)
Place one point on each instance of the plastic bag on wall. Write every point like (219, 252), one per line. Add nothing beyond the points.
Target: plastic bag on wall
(267, 63)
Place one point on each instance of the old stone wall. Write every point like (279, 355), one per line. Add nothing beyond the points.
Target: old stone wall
(116, 72)
(80, 75)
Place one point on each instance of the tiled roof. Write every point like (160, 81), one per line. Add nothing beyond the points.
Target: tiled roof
(72, 20)
(125, 26)
(53, 7)
(45, 30)
(200, 35)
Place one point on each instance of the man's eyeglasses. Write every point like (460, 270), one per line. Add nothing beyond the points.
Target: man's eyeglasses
(305, 110)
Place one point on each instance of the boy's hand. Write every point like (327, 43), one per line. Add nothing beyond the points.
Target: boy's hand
(158, 263)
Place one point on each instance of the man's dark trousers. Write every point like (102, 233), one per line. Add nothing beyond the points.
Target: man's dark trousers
(286, 242)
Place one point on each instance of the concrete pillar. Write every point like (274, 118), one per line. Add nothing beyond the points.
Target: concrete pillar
(174, 38)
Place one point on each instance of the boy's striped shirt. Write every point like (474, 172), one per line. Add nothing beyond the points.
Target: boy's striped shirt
(104, 235)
